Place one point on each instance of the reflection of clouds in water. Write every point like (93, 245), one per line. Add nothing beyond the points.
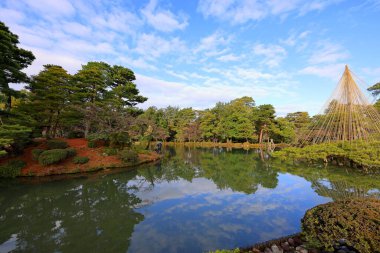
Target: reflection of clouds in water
(189, 216)
(179, 189)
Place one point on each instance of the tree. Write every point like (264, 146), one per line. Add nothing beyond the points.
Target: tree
(264, 118)
(50, 94)
(124, 92)
(237, 119)
(375, 90)
(99, 84)
(282, 131)
(301, 121)
(12, 60)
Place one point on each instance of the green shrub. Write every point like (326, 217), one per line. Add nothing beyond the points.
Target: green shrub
(52, 156)
(110, 151)
(356, 220)
(71, 152)
(120, 140)
(91, 144)
(11, 168)
(81, 159)
(75, 134)
(36, 153)
(128, 156)
(56, 144)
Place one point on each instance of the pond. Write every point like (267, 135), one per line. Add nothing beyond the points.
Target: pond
(194, 200)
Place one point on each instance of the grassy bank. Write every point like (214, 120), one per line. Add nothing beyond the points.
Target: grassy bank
(360, 155)
(244, 145)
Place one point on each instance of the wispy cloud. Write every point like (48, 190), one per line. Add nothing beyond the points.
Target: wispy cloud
(328, 52)
(273, 54)
(242, 11)
(163, 20)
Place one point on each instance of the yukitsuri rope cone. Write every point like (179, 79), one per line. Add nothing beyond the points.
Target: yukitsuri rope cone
(347, 116)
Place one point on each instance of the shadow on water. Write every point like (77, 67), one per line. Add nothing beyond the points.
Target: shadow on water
(194, 200)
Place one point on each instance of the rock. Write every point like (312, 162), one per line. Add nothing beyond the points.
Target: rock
(343, 242)
(267, 250)
(297, 241)
(255, 250)
(285, 246)
(291, 241)
(314, 251)
(301, 249)
(275, 249)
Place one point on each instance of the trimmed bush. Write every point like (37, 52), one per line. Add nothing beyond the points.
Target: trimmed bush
(36, 153)
(110, 151)
(128, 156)
(356, 220)
(75, 134)
(56, 144)
(97, 140)
(81, 159)
(52, 156)
(11, 168)
(120, 140)
(71, 152)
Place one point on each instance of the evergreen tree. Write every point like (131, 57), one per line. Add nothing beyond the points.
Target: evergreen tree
(50, 94)
(12, 60)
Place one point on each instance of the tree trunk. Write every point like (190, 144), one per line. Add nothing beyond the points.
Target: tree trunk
(261, 135)
(8, 104)
(86, 129)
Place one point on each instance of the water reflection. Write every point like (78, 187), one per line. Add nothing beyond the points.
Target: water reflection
(195, 200)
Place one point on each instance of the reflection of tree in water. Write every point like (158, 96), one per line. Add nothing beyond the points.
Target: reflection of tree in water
(238, 170)
(71, 216)
(338, 183)
(342, 190)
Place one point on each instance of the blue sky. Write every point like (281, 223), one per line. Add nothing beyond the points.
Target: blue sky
(195, 53)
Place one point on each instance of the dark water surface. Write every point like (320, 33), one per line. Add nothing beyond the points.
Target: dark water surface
(194, 200)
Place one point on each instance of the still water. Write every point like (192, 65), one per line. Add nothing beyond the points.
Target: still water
(194, 200)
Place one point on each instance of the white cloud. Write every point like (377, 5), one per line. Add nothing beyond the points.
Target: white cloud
(50, 8)
(118, 20)
(228, 58)
(163, 20)
(273, 54)
(153, 46)
(76, 29)
(332, 71)
(328, 52)
(295, 38)
(71, 63)
(242, 11)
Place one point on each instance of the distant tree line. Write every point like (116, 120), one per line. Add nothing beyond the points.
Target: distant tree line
(99, 102)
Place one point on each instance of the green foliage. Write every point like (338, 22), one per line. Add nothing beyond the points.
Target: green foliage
(12, 60)
(128, 155)
(110, 151)
(91, 144)
(56, 144)
(74, 134)
(12, 168)
(356, 220)
(359, 154)
(50, 93)
(71, 152)
(36, 153)
(52, 156)
(81, 159)
(13, 138)
(120, 140)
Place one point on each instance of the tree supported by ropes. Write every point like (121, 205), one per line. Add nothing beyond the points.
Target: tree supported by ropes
(347, 116)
